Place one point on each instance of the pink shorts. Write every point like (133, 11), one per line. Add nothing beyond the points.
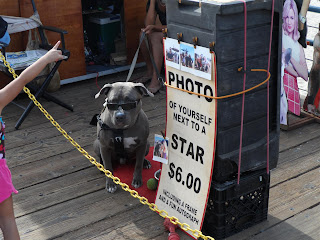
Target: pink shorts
(6, 186)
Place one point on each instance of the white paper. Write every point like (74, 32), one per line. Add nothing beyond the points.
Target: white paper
(202, 62)
(23, 59)
(187, 57)
(172, 52)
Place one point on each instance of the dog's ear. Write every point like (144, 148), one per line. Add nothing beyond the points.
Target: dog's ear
(105, 89)
(143, 90)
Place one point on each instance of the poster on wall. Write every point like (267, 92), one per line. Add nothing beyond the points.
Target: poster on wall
(191, 129)
(293, 64)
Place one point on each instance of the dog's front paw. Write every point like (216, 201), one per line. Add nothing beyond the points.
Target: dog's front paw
(146, 164)
(111, 186)
(136, 183)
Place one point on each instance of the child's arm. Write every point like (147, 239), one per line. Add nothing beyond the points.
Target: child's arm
(9, 92)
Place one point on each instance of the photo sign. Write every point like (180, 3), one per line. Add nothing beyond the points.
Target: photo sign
(191, 129)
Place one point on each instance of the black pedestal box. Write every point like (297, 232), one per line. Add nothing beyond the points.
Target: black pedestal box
(222, 22)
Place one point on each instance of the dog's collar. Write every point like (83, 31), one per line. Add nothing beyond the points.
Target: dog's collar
(102, 125)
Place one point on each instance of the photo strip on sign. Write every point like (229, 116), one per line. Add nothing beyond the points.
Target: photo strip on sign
(191, 129)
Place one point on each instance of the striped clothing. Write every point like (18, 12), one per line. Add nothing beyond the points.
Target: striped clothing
(290, 85)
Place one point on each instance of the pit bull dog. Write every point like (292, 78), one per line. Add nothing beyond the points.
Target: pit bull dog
(123, 129)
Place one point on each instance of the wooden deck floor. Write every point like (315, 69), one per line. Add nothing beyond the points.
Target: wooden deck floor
(62, 195)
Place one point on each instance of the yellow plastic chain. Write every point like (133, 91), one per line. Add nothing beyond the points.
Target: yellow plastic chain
(153, 207)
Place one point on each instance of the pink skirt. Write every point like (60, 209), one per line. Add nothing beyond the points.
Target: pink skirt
(6, 186)
(290, 85)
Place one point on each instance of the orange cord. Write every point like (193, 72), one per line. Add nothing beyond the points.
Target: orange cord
(230, 95)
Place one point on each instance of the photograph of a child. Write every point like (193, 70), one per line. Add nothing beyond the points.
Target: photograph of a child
(172, 52)
(160, 151)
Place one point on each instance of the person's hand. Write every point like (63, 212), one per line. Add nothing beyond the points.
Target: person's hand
(287, 55)
(149, 29)
(54, 54)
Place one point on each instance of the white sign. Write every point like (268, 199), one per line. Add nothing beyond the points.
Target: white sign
(191, 128)
(186, 57)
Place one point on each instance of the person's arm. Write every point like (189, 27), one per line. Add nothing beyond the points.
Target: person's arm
(10, 91)
(154, 28)
(151, 14)
(151, 18)
(299, 69)
(303, 13)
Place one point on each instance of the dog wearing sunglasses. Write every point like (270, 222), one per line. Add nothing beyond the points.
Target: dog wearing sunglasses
(123, 129)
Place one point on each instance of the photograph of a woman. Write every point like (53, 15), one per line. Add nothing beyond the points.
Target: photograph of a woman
(160, 151)
(293, 62)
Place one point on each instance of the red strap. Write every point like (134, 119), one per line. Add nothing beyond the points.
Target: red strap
(244, 85)
(268, 103)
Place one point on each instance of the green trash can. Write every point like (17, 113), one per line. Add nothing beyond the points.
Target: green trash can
(102, 30)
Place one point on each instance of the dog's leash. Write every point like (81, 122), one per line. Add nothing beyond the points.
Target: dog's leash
(134, 60)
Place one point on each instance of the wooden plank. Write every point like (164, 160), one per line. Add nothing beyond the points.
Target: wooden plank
(295, 195)
(298, 136)
(294, 123)
(44, 130)
(71, 215)
(296, 161)
(302, 226)
(134, 15)
(58, 190)
(13, 113)
(68, 17)
(11, 8)
(47, 169)
(140, 224)
(51, 147)
(286, 200)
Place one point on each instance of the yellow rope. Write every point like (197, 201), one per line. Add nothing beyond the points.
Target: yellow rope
(153, 207)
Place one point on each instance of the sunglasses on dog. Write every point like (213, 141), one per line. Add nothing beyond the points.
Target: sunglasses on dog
(124, 106)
